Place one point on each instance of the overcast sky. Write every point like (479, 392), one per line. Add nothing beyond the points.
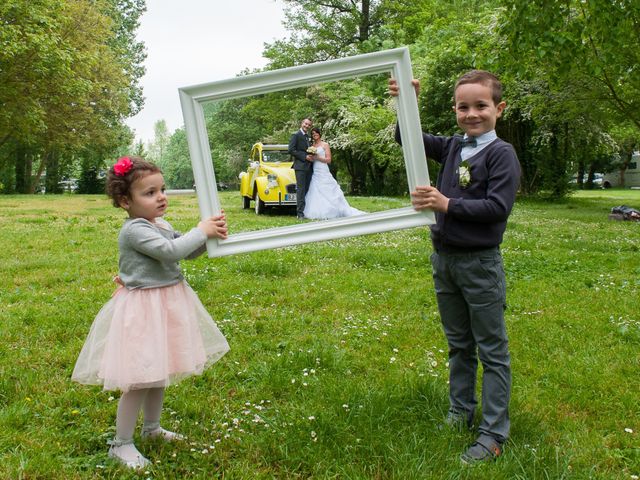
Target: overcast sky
(198, 41)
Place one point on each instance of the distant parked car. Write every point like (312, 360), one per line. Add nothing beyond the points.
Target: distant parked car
(70, 185)
(597, 180)
(269, 179)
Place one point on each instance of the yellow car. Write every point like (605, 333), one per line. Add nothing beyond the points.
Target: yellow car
(269, 179)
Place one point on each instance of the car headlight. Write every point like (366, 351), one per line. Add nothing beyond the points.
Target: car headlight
(272, 180)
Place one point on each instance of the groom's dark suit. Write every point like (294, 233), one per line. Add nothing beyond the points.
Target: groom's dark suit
(298, 145)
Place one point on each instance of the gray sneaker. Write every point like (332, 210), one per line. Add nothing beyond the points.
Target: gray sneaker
(485, 448)
(458, 420)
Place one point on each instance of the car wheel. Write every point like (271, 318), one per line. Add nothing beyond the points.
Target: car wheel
(260, 206)
(246, 202)
(606, 185)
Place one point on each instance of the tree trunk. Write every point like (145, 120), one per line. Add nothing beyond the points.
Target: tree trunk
(358, 172)
(556, 179)
(562, 175)
(590, 176)
(23, 167)
(625, 165)
(52, 181)
(41, 168)
(365, 21)
(376, 172)
(518, 133)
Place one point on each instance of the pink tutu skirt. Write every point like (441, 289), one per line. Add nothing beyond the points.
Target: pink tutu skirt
(148, 338)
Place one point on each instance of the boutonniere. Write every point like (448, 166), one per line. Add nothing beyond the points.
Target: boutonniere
(464, 174)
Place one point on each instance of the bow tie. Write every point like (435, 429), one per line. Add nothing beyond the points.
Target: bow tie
(468, 142)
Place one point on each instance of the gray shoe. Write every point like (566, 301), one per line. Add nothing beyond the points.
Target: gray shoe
(458, 420)
(484, 449)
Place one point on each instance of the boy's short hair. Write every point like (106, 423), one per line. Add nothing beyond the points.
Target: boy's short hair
(484, 78)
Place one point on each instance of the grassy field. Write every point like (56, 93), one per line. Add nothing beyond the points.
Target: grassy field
(338, 366)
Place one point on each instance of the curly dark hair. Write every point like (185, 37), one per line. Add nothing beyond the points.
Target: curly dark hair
(118, 186)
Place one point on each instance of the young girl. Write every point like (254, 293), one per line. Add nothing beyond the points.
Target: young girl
(154, 331)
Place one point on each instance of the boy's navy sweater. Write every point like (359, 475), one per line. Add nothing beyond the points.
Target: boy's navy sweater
(477, 214)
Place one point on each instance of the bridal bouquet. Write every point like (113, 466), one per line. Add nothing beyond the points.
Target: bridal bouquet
(312, 150)
(464, 174)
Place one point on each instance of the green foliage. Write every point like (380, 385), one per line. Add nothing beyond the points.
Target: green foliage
(591, 46)
(176, 165)
(356, 118)
(157, 149)
(90, 181)
(360, 129)
(570, 71)
(326, 30)
(130, 52)
(348, 380)
(64, 88)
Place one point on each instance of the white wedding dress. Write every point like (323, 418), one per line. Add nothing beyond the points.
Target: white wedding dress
(325, 199)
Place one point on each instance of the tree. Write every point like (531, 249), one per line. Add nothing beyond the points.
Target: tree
(626, 140)
(157, 148)
(29, 53)
(324, 30)
(359, 124)
(595, 40)
(131, 53)
(585, 55)
(139, 150)
(235, 125)
(64, 88)
(177, 163)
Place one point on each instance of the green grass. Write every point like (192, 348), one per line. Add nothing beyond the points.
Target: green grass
(337, 366)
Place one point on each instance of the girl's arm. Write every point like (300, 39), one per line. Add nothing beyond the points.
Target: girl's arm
(197, 252)
(213, 227)
(145, 238)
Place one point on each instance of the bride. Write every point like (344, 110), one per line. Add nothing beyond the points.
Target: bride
(325, 198)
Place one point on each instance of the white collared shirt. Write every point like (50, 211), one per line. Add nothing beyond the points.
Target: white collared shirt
(482, 141)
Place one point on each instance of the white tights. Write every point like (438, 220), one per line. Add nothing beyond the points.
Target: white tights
(150, 401)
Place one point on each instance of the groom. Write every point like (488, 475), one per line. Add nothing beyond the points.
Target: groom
(302, 163)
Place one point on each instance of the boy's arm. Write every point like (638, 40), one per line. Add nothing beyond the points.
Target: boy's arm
(503, 180)
(434, 147)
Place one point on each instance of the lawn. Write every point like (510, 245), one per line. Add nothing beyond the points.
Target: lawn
(338, 366)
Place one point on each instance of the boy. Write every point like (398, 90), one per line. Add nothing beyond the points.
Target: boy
(475, 191)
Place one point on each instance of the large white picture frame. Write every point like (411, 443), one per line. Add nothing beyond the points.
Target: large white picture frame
(396, 62)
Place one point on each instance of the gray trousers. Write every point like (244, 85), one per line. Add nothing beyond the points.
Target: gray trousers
(303, 181)
(471, 293)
